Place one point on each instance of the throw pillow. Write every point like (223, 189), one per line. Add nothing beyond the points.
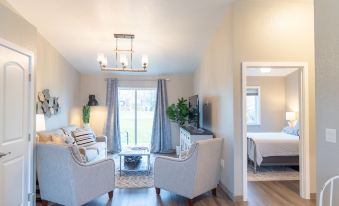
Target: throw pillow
(58, 139)
(186, 154)
(291, 130)
(84, 137)
(62, 139)
(77, 155)
(69, 140)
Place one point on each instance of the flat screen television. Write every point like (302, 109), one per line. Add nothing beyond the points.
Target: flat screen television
(193, 115)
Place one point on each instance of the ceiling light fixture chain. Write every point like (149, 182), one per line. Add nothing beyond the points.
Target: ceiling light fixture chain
(102, 59)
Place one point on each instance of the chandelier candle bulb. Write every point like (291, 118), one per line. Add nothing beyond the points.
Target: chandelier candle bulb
(144, 61)
(102, 59)
(123, 60)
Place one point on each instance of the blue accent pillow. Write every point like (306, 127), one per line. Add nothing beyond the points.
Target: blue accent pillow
(292, 130)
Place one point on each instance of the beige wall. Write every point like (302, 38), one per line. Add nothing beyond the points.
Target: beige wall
(327, 101)
(214, 84)
(256, 30)
(16, 29)
(52, 71)
(273, 103)
(178, 86)
(60, 77)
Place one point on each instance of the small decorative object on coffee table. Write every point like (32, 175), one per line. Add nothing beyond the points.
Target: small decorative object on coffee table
(132, 161)
(132, 157)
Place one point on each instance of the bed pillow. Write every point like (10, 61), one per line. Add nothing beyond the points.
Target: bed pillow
(292, 130)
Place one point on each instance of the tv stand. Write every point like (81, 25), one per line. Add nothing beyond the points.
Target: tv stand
(190, 134)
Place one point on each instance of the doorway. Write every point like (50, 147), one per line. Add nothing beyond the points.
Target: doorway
(16, 125)
(136, 111)
(250, 98)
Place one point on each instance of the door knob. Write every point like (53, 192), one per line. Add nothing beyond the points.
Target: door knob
(4, 154)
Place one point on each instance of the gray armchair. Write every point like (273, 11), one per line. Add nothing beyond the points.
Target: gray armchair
(65, 180)
(192, 176)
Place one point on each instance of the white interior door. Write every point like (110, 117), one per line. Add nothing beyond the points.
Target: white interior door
(14, 127)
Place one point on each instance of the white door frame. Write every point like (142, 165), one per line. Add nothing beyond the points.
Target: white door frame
(31, 117)
(304, 156)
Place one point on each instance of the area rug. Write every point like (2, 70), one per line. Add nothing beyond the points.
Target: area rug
(135, 179)
(274, 173)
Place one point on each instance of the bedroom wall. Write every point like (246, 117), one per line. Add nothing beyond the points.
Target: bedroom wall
(256, 31)
(178, 86)
(327, 101)
(292, 92)
(273, 103)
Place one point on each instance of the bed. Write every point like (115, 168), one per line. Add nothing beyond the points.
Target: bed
(268, 149)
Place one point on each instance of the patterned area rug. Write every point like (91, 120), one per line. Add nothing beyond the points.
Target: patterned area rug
(135, 179)
(274, 173)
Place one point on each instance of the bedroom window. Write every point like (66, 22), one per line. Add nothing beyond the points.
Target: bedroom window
(253, 105)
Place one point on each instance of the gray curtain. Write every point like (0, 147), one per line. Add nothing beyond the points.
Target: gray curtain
(161, 133)
(112, 128)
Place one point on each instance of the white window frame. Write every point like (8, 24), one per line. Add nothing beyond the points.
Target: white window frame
(258, 123)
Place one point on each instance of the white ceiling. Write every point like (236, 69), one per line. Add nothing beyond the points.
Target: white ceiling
(173, 33)
(275, 72)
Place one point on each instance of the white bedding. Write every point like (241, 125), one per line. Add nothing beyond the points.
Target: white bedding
(272, 144)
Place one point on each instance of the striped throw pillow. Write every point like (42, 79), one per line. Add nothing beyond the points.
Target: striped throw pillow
(84, 137)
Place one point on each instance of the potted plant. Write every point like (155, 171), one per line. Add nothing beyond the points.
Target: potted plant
(86, 109)
(178, 112)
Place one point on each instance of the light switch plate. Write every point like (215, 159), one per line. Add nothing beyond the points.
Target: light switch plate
(222, 163)
(331, 135)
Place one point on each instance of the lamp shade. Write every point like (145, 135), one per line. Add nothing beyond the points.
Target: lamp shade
(92, 101)
(40, 122)
(291, 116)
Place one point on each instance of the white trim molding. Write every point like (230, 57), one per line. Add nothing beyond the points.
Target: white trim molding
(304, 147)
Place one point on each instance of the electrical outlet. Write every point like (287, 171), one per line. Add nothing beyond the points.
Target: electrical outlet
(222, 163)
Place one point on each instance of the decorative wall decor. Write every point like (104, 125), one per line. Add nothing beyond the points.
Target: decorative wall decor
(47, 104)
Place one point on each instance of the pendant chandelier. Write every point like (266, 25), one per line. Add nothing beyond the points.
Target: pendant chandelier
(123, 57)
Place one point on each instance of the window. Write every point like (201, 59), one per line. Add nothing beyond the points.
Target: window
(253, 105)
(136, 111)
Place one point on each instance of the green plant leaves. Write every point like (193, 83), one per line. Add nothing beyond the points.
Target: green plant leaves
(178, 112)
(86, 113)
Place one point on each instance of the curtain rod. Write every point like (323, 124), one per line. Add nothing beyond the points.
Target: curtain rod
(126, 79)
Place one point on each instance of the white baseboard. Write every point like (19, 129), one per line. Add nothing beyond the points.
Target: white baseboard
(230, 194)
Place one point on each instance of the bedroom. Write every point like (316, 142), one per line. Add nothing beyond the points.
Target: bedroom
(272, 96)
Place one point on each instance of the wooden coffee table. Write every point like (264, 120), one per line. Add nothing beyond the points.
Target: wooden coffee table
(135, 151)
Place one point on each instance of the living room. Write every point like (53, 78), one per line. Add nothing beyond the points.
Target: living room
(116, 81)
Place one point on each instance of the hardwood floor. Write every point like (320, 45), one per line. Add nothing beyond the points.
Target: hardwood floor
(283, 193)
